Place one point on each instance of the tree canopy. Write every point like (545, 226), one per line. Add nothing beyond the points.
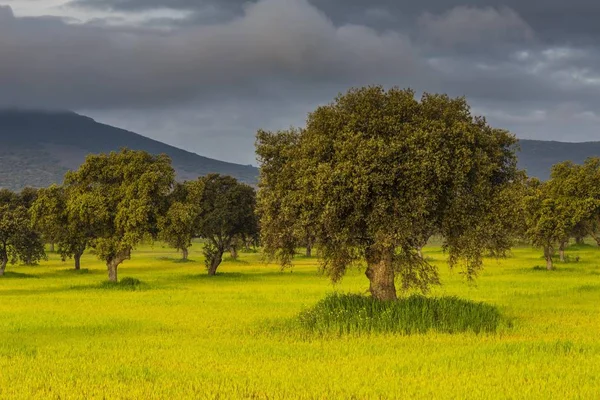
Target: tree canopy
(19, 242)
(120, 197)
(227, 211)
(376, 172)
(179, 224)
(56, 215)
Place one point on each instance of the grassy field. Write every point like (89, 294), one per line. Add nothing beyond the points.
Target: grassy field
(185, 335)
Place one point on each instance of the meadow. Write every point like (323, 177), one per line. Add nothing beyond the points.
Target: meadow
(183, 334)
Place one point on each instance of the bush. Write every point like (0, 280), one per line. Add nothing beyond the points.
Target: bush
(123, 284)
(357, 314)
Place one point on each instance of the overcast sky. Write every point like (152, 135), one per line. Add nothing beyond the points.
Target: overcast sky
(204, 75)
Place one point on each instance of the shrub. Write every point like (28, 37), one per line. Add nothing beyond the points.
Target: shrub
(357, 314)
(123, 284)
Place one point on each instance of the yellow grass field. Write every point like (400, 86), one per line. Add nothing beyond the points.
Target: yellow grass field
(187, 336)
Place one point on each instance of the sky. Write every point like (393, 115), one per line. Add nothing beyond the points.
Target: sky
(204, 75)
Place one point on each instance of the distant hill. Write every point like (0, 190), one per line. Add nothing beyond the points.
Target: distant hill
(538, 156)
(37, 148)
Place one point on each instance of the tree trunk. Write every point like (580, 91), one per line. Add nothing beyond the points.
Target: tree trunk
(77, 257)
(234, 253)
(308, 250)
(380, 271)
(184, 255)
(579, 240)
(214, 263)
(51, 247)
(420, 251)
(595, 237)
(561, 251)
(3, 266)
(548, 256)
(113, 264)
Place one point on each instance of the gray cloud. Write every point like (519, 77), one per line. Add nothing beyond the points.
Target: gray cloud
(556, 20)
(208, 82)
(50, 63)
(470, 26)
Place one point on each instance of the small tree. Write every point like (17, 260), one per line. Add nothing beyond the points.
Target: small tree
(120, 197)
(56, 216)
(375, 172)
(178, 225)
(551, 217)
(18, 241)
(227, 211)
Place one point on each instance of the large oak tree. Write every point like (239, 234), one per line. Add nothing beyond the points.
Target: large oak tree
(375, 172)
(120, 197)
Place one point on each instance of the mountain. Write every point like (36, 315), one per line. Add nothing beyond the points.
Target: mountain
(538, 156)
(37, 148)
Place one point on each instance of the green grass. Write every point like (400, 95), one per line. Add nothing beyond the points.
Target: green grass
(187, 335)
(343, 314)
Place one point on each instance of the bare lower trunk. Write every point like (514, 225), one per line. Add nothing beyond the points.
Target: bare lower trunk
(579, 240)
(595, 237)
(52, 247)
(561, 252)
(234, 252)
(380, 271)
(3, 267)
(548, 256)
(113, 264)
(77, 257)
(214, 264)
(308, 250)
(420, 251)
(184, 254)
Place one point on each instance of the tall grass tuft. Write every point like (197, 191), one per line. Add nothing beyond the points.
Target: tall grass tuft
(123, 284)
(357, 314)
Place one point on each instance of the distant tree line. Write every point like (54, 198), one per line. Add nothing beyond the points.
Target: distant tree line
(368, 181)
(115, 201)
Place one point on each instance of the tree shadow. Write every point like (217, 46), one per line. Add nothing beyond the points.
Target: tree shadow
(175, 260)
(17, 275)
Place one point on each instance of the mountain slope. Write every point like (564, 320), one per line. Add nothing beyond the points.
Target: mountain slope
(37, 148)
(538, 156)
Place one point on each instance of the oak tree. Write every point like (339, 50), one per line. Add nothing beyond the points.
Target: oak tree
(178, 225)
(56, 214)
(120, 197)
(19, 242)
(227, 211)
(377, 171)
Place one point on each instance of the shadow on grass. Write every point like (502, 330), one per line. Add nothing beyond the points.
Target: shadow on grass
(17, 275)
(555, 270)
(241, 277)
(235, 261)
(177, 260)
(125, 284)
(219, 277)
(588, 288)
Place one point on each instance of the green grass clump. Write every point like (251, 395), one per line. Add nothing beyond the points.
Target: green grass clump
(123, 284)
(357, 314)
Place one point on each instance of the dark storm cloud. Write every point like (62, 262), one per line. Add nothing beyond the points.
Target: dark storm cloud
(274, 44)
(210, 80)
(556, 20)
